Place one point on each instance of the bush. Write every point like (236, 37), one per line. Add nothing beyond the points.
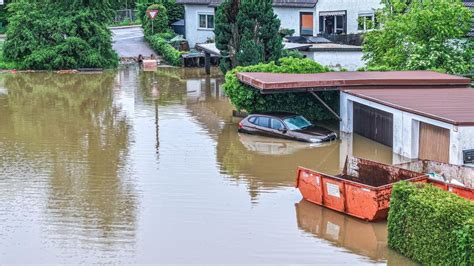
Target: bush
(175, 11)
(51, 36)
(158, 39)
(244, 97)
(431, 226)
(159, 24)
(169, 53)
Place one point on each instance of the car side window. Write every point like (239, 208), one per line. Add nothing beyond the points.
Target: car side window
(276, 124)
(263, 121)
(252, 119)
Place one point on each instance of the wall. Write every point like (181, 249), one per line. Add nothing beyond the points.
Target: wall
(193, 33)
(290, 18)
(406, 129)
(350, 60)
(353, 8)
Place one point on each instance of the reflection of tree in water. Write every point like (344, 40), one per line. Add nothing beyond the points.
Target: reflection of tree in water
(357, 236)
(263, 171)
(71, 121)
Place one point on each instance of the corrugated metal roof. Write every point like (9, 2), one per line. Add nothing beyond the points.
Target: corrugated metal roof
(276, 3)
(277, 82)
(453, 106)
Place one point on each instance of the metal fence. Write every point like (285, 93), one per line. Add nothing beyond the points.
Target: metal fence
(125, 14)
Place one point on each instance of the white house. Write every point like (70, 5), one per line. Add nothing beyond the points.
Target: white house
(305, 17)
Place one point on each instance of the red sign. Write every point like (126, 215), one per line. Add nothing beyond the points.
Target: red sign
(152, 13)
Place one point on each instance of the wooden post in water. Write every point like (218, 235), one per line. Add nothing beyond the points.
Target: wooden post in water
(207, 62)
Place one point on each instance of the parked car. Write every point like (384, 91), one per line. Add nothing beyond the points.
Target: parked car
(287, 126)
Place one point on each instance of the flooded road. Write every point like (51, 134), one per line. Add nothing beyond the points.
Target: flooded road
(133, 167)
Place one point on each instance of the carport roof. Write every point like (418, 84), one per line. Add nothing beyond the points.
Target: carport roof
(453, 105)
(280, 82)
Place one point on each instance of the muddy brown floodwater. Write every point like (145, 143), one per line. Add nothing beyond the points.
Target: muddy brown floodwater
(133, 167)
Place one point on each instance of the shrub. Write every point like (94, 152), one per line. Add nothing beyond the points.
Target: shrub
(175, 11)
(244, 97)
(431, 226)
(169, 53)
(159, 24)
(421, 35)
(53, 36)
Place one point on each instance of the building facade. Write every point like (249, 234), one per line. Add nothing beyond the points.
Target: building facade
(305, 17)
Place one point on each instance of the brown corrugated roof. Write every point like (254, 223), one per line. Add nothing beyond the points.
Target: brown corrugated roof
(277, 82)
(453, 106)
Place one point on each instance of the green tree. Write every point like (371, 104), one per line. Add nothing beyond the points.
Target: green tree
(60, 35)
(421, 35)
(159, 24)
(247, 33)
(175, 11)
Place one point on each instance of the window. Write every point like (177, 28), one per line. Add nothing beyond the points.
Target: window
(306, 24)
(263, 121)
(333, 22)
(297, 122)
(252, 119)
(276, 124)
(206, 21)
(366, 22)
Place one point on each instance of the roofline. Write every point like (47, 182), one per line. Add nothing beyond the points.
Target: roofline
(409, 110)
(336, 49)
(295, 86)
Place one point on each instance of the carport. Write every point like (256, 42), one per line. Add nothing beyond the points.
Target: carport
(409, 111)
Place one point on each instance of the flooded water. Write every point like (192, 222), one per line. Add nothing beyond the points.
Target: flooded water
(134, 167)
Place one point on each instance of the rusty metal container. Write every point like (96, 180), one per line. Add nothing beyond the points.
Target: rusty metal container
(454, 178)
(363, 189)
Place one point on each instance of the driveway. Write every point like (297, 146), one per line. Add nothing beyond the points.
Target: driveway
(130, 42)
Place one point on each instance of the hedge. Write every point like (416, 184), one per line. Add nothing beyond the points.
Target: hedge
(160, 35)
(162, 47)
(246, 98)
(431, 226)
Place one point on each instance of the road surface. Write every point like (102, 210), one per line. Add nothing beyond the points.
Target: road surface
(130, 42)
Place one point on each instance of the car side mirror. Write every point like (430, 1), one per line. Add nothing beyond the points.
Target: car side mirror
(282, 130)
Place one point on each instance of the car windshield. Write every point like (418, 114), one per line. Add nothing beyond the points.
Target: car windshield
(297, 122)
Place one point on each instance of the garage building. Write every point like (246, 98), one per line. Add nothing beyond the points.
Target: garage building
(420, 114)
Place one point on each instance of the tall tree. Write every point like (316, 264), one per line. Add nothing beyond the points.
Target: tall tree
(421, 35)
(175, 11)
(247, 33)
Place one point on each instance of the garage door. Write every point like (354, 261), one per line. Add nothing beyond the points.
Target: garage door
(374, 124)
(434, 143)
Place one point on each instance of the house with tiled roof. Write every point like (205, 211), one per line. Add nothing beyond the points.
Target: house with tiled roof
(305, 17)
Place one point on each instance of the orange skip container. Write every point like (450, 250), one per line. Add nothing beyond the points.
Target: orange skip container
(362, 190)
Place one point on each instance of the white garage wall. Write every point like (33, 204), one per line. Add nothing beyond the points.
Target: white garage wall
(406, 129)
(350, 60)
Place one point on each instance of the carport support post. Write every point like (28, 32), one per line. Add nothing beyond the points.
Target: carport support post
(207, 62)
(325, 105)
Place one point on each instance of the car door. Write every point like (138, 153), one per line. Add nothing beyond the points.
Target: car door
(276, 127)
(262, 126)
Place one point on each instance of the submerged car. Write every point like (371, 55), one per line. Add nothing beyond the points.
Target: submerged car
(286, 126)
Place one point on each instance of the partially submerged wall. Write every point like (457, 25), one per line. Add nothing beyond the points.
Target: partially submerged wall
(406, 129)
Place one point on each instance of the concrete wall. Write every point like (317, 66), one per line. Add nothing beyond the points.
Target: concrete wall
(350, 60)
(353, 8)
(193, 33)
(290, 18)
(406, 129)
